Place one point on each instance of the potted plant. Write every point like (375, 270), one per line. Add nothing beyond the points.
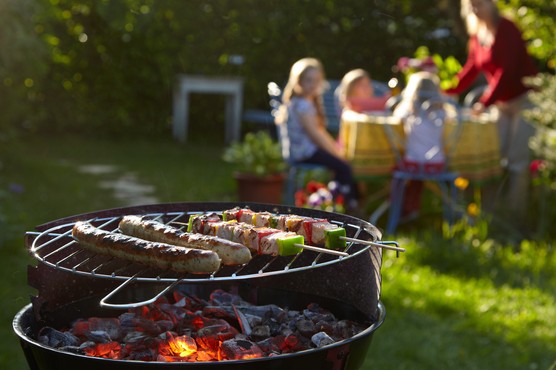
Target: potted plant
(259, 168)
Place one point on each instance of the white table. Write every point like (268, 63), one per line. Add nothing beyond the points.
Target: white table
(230, 86)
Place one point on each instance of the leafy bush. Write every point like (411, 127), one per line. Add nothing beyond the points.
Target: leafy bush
(543, 115)
(537, 20)
(446, 68)
(257, 154)
(109, 66)
(543, 144)
(102, 66)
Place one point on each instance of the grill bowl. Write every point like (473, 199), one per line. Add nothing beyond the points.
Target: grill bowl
(350, 289)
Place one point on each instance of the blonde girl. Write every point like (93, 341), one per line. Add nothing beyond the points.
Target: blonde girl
(302, 125)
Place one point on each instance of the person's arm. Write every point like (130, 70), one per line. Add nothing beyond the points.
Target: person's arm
(318, 134)
(507, 56)
(372, 103)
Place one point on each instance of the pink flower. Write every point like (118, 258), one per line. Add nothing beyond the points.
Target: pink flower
(414, 64)
(313, 186)
(428, 65)
(537, 166)
(403, 63)
(300, 198)
(340, 200)
(317, 195)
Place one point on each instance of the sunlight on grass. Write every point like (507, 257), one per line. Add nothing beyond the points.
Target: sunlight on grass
(454, 318)
(508, 312)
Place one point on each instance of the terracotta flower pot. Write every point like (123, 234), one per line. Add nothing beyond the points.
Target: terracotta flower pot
(266, 189)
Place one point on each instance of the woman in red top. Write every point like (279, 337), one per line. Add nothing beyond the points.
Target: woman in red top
(497, 50)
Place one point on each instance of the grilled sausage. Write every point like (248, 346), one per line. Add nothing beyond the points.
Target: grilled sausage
(231, 253)
(160, 255)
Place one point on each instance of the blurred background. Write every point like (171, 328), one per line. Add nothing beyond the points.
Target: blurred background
(86, 124)
(108, 67)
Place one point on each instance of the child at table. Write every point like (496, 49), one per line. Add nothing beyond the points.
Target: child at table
(302, 126)
(422, 111)
(356, 93)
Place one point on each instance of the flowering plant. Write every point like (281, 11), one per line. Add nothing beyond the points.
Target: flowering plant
(317, 195)
(543, 116)
(258, 154)
(446, 68)
(411, 65)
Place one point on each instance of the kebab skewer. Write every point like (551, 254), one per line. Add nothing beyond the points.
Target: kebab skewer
(260, 240)
(317, 232)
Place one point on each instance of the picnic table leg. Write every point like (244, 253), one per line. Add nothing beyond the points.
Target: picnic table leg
(180, 114)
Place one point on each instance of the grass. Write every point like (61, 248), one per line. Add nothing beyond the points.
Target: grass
(467, 302)
(461, 320)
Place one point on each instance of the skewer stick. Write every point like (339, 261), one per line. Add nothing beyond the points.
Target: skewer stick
(321, 250)
(178, 223)
(378, 245)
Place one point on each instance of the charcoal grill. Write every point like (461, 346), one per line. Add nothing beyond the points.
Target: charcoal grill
(67, 275)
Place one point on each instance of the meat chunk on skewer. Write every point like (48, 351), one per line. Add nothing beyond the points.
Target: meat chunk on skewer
(260, 240)
(318, 232)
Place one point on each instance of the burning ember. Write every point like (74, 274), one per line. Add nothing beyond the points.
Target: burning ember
(191, 330)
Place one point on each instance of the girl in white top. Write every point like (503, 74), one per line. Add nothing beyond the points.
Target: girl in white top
(422, 111)
(302, 125)
(423, 115)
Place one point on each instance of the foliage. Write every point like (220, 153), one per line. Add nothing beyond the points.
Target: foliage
(109, 66)
(543, 98)
(536, 19)
(543, 143)
(257, 154)
(543, 115)
(22, 67)
(446, 68)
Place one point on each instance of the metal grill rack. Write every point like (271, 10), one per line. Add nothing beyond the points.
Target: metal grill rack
(57, 248)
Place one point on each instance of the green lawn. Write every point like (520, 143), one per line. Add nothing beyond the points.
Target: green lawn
(464, 302)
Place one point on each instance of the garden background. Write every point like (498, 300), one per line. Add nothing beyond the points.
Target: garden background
(86, 91)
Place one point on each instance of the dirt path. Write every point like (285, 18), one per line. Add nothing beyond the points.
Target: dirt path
(125, 185)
